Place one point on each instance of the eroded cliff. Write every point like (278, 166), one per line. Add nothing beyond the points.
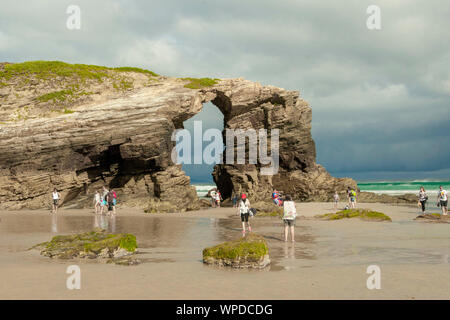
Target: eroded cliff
(77, 127)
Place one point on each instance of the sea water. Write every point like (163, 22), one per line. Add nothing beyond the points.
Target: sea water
(402, 187)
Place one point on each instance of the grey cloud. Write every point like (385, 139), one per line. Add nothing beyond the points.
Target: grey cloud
(379, 98)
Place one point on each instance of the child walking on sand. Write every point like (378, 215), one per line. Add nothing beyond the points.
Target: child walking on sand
(244, 207)
(336, 199)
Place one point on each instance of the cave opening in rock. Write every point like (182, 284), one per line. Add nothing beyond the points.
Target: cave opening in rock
(210, 117)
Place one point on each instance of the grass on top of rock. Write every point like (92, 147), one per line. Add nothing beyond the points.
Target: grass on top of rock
(364, 214)
(198, 83)
(50, 69)
(252, 247)
(70, 246)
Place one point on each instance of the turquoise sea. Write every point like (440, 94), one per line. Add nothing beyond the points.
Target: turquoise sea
(402, 187)
(381, 187)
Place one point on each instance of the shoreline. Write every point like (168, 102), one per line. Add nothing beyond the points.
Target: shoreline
(327, 261)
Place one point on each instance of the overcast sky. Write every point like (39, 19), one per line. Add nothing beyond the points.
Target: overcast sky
(380, 98)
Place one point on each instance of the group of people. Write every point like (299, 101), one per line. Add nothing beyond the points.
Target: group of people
(104, 201)
(216, 197)
(289, 215)
(442, 199)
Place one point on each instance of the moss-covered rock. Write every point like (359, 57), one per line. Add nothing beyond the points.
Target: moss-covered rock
(250, 251)
(433, 217)
(94, 244)
(364, 214)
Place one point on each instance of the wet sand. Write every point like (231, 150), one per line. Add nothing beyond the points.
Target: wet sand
(327, 261)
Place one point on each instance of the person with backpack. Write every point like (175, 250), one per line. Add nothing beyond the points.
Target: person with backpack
(289, 215)
(244, 207)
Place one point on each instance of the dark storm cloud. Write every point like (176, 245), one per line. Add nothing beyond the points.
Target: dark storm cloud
(380, 99)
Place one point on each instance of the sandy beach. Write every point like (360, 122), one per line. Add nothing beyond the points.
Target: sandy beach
(327, 261)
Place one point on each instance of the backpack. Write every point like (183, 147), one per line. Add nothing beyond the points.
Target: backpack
(114, 195)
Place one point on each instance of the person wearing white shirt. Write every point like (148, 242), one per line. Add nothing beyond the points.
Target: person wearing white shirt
(289, 215)
(443, 200)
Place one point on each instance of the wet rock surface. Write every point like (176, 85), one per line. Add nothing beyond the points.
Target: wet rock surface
(97, 244)
(433, 217)
(363, 214)
(249, 252)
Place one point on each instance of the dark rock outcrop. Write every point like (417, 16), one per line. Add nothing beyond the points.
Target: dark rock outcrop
(123, 140)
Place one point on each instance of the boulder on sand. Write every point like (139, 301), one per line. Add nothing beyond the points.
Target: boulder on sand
(246, 252)
(96, 244)
(363, 214)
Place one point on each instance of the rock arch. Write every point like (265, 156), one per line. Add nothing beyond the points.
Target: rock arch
(126, 143)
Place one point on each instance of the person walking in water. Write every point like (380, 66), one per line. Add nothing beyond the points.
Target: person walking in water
(422, 198)
(443, 200)
(289, 215)
(336, 199)
(244, 207)
(97, 202)
(114, 194)
(55, 196)
(104, 200)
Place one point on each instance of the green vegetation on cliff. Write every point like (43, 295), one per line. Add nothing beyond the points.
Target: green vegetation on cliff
(364, 214)
(198, 83)
(50, 69)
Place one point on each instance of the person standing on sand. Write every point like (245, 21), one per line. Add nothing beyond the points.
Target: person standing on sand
(352, 199)
(443, 200)
(336, 199)
(234, 199)
(422, 198)
(289, 215)
(97, 202)
(218, 198)
(55, 197)
(110, 201)
(244, 206)
(212, 194)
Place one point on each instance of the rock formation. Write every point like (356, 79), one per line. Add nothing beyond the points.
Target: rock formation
(246, 252)
(96, 244)
(77, 127)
